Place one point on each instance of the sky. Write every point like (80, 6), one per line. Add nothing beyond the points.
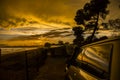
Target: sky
(16, 13)
(35, 17)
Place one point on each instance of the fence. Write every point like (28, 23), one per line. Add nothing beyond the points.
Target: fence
(61, 51)
(21, 65)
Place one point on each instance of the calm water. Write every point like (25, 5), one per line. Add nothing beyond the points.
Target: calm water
(12, 50)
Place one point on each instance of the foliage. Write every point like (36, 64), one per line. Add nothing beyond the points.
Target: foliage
(78, 31)
(105, 25)
(60, 42)
(47, 44)
(114, 24)
(67, 43)
(89, 16)
(91, 10)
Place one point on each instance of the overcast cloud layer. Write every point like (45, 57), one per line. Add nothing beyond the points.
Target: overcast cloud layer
(39, 21)
(24, 12)
(17, 13)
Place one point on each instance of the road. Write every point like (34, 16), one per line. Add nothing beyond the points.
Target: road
(54, 69)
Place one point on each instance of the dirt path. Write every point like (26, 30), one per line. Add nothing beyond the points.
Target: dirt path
(52, 70)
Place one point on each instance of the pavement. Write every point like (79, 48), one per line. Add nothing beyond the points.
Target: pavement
(53, 69)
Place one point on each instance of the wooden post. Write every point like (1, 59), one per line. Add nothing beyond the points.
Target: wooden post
(26, 66)
(0, 55)
(37, 62)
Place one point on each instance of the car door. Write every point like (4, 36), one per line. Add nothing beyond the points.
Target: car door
(93, 63)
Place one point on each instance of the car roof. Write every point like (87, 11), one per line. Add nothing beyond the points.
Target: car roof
(102, 41)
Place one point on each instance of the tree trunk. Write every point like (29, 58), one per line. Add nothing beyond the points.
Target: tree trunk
(96, 28)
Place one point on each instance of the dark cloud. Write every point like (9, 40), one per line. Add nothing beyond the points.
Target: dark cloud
(31, 37)
(60, 29)
(8, 36)
(67, 35)
(54, 33)
(56, 11)
(12, 21)
(65, 32)
(3, 45)
(26, 29)
(15, 13)
(58, 21)
(33, 22)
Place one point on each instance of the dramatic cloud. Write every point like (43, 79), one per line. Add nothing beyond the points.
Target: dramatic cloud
(16, 13)
(35, 18)
(21, 31)
(52, 36)
(65, 32)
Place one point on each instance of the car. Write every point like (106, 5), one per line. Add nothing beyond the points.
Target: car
(96, 61)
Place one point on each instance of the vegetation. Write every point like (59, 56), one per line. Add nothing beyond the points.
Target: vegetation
(89, 17)
(112, 24)
(78, 31)
(60, 42)
(47, 44)
(115, 24)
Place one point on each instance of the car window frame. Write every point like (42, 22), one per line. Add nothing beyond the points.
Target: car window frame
(103, 72)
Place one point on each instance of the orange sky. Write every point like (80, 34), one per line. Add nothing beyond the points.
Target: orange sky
(53, 13)
(33, 17)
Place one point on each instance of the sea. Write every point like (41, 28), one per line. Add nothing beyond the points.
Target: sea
(13, 50)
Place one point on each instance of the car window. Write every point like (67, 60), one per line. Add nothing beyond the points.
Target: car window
(79, 57)
(98, 56)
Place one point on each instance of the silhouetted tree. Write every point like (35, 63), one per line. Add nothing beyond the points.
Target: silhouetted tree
(114, 24)
(88, 39)
(67, 43)
(89, 15)
(78, 32)
(60, 42)
(47, 44)
(105, 25)
(104, 37)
